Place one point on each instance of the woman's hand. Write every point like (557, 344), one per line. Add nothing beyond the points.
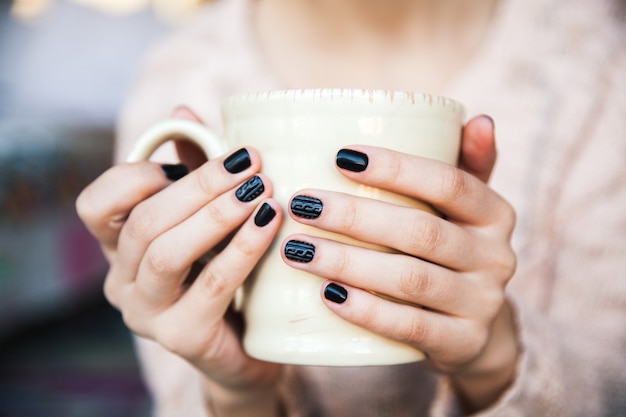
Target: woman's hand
(456, 267)
(153, 229)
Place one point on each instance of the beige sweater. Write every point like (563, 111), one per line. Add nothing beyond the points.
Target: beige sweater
(553, 76)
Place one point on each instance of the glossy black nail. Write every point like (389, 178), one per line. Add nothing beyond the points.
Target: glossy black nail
(352, 160)
(238, 161)
(306, 207)
(299, 251)
(265, 215)
(335, 293)
(174, 172)
(250, 190)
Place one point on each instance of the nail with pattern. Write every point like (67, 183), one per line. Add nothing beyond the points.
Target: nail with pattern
(306, 207)
(250, 190)
(298, 251)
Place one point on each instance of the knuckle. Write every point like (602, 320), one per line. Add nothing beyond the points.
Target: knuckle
(509, 263)
(160, 262)
(413, 331)
(425, 235)
(204, 183)
(476, 341)
(140, 223)
(215, 282)
(90, 210)
(111, 292)
(368, 317)
(219, 218)
(414, 281)
(351, 218)
(95, 201)
(129, 319)
(393, 171)
(247, 248)
(491, 304)
(454, 183)
(504, 264)
(508, 218)
(85, 208)
(344, 263)
(135, 321)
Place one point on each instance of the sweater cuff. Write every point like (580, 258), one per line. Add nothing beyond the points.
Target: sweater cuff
(447, 403)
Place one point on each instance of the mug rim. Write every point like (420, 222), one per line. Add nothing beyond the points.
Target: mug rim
(343, 94)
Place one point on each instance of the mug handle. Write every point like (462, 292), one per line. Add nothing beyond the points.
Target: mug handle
(169, 129)
(195, 132)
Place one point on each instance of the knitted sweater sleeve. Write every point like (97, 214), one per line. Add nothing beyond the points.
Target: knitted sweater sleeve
(570, 300)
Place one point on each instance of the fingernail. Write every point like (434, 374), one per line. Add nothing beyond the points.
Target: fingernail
(250, 190)
(335, 293)
(352, 160)
(488, 118)
(299, 251)
(180, 107)
(265, 215)
(306, 207)
(238, 161)
(174, 172)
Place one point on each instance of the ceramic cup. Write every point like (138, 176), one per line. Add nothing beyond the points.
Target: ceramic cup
(298, 134)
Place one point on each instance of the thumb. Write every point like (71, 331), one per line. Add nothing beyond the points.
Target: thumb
(189, 153)
(478, 147)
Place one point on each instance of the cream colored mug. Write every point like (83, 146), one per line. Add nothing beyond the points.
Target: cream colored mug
(298, 134)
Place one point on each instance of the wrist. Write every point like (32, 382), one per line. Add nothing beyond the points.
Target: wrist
(262, 401)
(482, 383)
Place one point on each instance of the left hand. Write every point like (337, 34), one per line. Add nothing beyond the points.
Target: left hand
(455, 267)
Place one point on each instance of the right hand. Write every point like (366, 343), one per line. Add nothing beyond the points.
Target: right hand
(153, 230)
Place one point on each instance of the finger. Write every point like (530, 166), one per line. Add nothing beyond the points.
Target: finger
(211, 293)
(170, 207)
(106, 203)
(435, 334)
(169, 258)
(455, 193)
(478, 148)
(421, 234)
(188, 152)
(403, 278)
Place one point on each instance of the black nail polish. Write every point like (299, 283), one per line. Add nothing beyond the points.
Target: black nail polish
(352, 160)
(265, 215)
(238, 161)
(174, 172)
(335, 293)
(307, 207)
(299, 251)
(250, 190)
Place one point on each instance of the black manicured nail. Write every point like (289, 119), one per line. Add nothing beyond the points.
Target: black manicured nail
(335, 293)
(265, 215)
(238, 161)
(299, 251)
(307, 207)
(352, 160)
(250, 190)
(174, 172)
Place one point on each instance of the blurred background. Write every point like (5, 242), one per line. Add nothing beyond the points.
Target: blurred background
(65, 68)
